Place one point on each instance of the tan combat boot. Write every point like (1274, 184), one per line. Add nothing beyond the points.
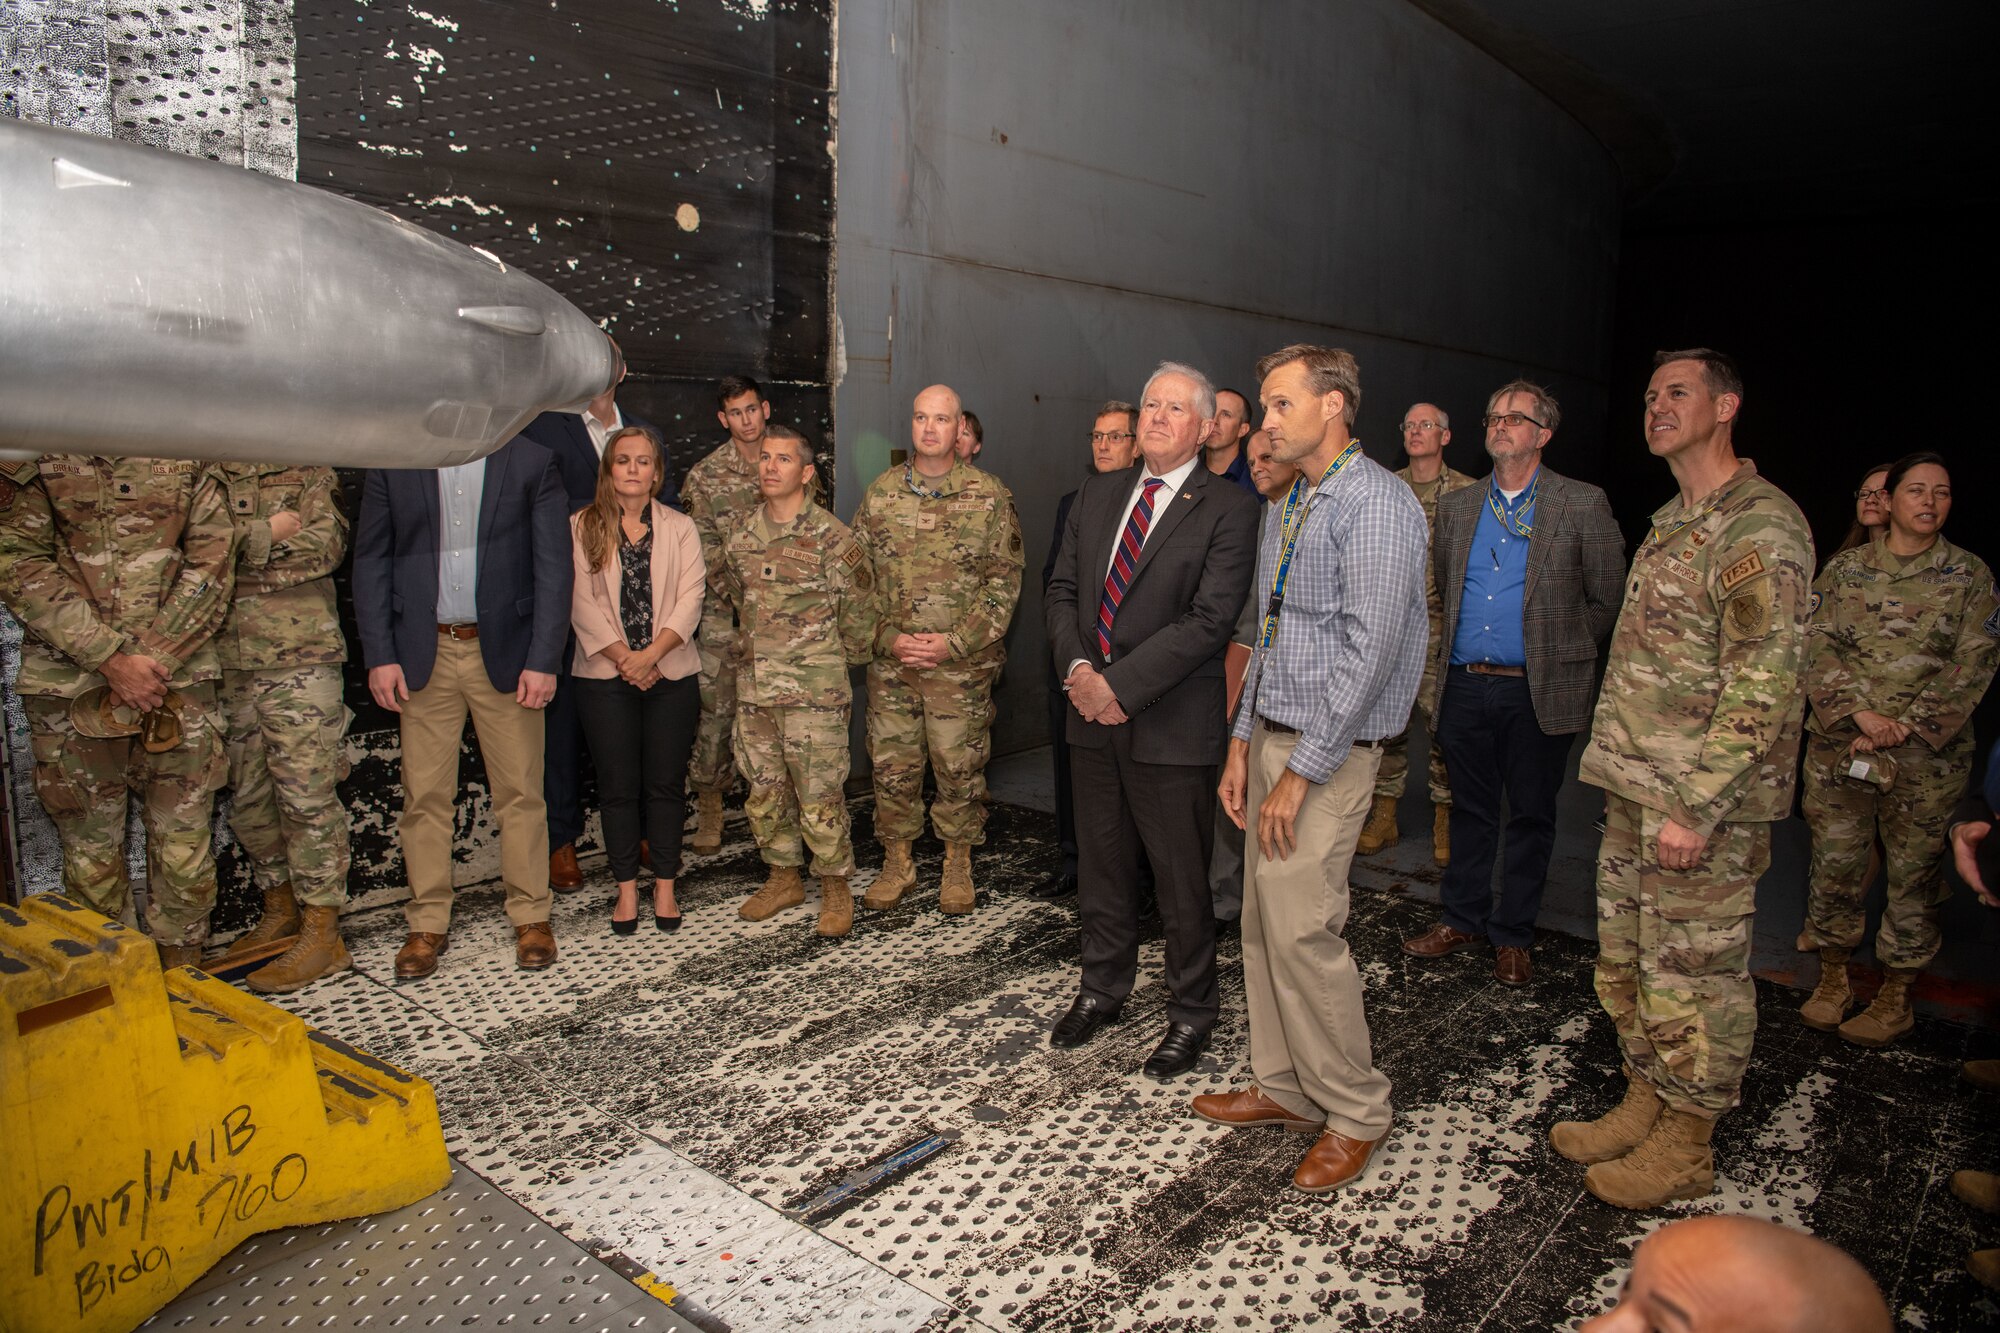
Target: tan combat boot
(1673, 1163)
(707, 835)
(1831, 997)
(1984, 1265)
(1981, 1189)
(1983, 1074)
(955, 895)
(836, 906)
(899, 875)
(782, 888)
(178, 955)
(280, 921)
(1380, 830)
(1441, 835)
(317, 952)
(1888, 1015)
(1615, 1133)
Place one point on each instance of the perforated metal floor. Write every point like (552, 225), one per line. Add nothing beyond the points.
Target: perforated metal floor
(873, 1135)
(467, 1257)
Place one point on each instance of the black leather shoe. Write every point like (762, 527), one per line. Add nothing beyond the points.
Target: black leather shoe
(1177, 1052)
(1055, 886)
(1086, 1014)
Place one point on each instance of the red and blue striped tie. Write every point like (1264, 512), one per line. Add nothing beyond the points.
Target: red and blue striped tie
(1124, 563)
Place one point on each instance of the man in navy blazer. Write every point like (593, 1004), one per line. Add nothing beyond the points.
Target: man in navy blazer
(576, 439)
(1155, 563)
(462, 595)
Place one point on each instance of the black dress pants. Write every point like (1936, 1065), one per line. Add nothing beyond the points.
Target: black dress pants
(640, 741)
(1130, 813)
(1494, 750)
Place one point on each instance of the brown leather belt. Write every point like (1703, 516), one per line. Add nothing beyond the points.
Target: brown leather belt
(1491, 669)
(1280, 729)
(459, 632)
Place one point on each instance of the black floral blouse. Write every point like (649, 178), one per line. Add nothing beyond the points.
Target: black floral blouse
(635, 582)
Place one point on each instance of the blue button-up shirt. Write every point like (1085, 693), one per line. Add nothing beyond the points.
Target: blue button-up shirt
(1496, 581)
(459, 492)
(1349, 649)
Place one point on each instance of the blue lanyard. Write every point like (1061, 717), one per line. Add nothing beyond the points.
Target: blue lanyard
(1517, 522)
(1297, 507)
(910, 480)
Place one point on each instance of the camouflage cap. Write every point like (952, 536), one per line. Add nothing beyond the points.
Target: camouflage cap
(94, 713)
(1874, 768)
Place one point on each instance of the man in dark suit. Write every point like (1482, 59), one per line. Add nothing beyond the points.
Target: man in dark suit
(1529, 567)
(1114, 446)
(462, 595)
(1154, 566)
(576, 441)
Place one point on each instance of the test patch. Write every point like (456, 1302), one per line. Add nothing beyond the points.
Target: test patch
(1748, 567)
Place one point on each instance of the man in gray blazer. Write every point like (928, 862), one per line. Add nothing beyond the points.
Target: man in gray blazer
(1529, 567)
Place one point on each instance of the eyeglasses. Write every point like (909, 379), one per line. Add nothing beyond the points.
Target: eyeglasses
(1880, 493)
(1511, 420)
(1411, 427)
(1109, 436)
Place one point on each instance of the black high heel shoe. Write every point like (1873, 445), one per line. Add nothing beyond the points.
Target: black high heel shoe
(624, 927)
(668, 923)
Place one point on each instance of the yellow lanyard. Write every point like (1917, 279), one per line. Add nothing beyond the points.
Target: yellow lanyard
(1297, 507)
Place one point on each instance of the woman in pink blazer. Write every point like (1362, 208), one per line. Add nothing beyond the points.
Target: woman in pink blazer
(637, 601)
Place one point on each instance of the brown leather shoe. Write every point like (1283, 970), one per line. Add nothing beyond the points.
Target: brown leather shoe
(534, 946)
(1333, 1161)
(1249, 1106)
(1511, 966)
(419, 955)
(1438, 941)
(565, 876)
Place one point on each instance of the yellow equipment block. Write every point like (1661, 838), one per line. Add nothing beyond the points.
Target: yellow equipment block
(150, 1121)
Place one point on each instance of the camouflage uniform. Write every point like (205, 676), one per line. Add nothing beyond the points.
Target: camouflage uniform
(1913, 640)
(721, 491)
(121, 555)
(947, 558)
(1698, 721)
(803, 593)
(281, 650)
(1393, 776)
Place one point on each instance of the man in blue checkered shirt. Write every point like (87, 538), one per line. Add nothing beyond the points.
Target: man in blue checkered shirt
(1335, 669)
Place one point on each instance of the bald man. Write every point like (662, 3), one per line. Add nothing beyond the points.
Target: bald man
(1743, 1275)
(945, 546)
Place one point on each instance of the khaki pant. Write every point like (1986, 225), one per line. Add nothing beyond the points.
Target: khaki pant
(510, 743)
(1309, 1047)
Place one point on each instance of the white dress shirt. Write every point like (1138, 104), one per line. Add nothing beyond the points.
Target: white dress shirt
(600, 434)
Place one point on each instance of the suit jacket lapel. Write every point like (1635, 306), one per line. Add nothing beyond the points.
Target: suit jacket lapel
(489, 503)
(1103, 541)
(1457, 544)
(1548, 510)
